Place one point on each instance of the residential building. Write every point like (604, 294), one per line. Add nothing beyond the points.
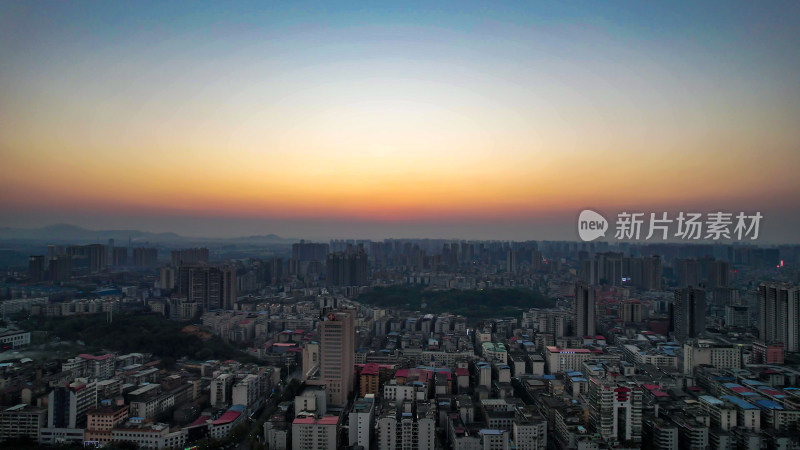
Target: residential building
(337, 354)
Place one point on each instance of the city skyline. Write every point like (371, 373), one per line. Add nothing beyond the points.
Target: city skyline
(348, 120)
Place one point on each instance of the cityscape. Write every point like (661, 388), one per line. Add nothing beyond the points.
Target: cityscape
(433, 226)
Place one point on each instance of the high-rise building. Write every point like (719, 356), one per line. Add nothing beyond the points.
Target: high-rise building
(604, 268)
(689, 313)
(724, 296)
(650, 276)
(60, 268)
(584, 310)
(779, 318)
(348, 268)
(337, 355)
(705, 271)
(36, 268)
(511, 261)
(554, 322)
(189, 257)
(98, 257)
(309, 251)
(167, 278)
(305, 254)
(230, 286)
(688, 272)
(537, 261)
(615, 411)
(119, 256)
(145, 257)
(718, 274)
(208, 286)
(275, 271)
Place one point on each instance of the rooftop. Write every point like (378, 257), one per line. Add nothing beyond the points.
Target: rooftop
(324, 420)
(567, 350)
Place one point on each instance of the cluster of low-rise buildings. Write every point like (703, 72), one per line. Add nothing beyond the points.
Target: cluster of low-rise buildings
(92, 400)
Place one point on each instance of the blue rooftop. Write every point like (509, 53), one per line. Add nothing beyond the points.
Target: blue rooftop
(768, 404)
(487, 431)
(711, 400)
(739, 402)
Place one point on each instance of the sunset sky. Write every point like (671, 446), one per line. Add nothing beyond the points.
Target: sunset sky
(394, 119)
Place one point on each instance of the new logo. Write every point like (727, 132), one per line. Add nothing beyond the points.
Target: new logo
(591, 225)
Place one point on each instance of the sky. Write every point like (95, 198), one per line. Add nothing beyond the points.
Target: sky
(396, 119)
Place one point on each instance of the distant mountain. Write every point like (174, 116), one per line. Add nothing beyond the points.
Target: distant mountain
(71, 233)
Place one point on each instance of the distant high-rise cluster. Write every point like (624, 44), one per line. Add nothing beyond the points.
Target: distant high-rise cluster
(348, 268)
(189, 257)
(617, 270)
(145, 257)
(62, 262)
(309, 251)
(119, 256)
(707, 272)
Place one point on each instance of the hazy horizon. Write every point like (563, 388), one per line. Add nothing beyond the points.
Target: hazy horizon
(192, 229)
